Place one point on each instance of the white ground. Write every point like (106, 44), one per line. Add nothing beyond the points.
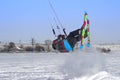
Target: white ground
(77, 65)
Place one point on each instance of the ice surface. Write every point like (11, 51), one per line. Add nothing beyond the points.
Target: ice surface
(77, 65)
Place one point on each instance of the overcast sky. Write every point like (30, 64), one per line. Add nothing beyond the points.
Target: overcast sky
(26, 19)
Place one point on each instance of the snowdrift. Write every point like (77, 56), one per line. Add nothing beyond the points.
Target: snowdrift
(77, 65)
(86, 65)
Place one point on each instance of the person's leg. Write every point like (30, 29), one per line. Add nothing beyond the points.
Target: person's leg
(74, 33)
(72, 41)
(74, 37)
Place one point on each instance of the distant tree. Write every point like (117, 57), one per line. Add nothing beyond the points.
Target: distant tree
(33, 41)
(5, 48)
(21, 46)
(28, 48)
(39, 48)
(11, 45)
(48, 43)
(5, 45)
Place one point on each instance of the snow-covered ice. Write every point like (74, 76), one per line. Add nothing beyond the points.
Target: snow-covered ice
(77, 65)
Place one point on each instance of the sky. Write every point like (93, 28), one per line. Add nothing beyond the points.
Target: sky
(21, 20)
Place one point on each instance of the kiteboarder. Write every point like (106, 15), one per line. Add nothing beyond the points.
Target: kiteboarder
(65, 43)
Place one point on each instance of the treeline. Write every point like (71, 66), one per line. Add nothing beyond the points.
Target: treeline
(33, 47)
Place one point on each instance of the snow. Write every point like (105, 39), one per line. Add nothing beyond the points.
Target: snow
(77, 65)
